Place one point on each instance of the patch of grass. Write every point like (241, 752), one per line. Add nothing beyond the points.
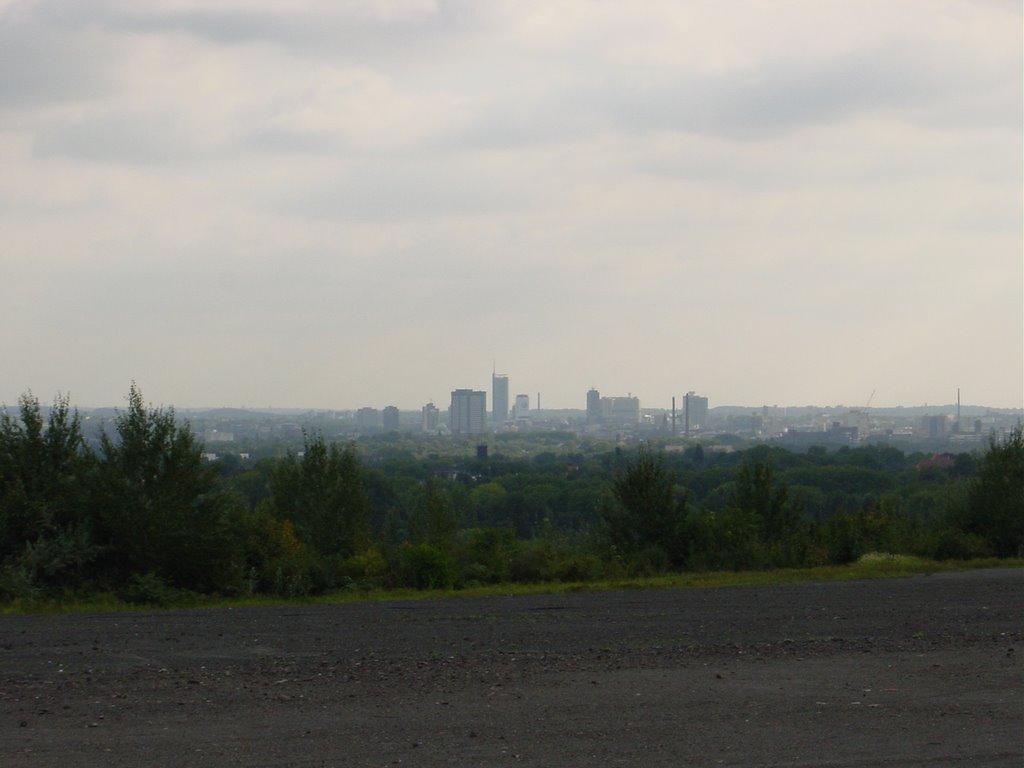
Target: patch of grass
(874, 565)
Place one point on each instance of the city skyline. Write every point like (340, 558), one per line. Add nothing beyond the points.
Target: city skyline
(375, 409)
(337, 205)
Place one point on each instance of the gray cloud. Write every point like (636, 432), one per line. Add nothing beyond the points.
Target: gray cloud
(132, 138)
(343, 31)
(776, 98)
(593, 194)
(404, 187)
(41, 65)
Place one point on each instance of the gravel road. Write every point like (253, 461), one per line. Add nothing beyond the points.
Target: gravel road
(923, 671)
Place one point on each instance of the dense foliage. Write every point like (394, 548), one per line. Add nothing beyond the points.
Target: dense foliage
(143, 515)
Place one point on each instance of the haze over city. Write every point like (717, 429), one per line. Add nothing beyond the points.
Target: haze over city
(324, 204)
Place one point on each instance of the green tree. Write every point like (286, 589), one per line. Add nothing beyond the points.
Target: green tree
(843, 539)
(45, 537)
(994, 508)
(644, 512)
(757, 493)
(487, 503)
(156, 507)
(433, 522)
(322, 494)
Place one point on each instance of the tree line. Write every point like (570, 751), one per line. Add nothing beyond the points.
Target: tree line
(143, 516)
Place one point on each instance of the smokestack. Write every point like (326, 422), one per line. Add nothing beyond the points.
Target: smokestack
(673, 415)
(958, 409)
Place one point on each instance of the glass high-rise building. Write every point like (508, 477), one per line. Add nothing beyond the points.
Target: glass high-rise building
(593, 406)
(499, 397)
(467, 414)
(695, 412)
(389, 419)
(431, 417)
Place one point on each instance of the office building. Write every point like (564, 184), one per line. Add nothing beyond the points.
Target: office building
(389, 419)
(620, 411)
(499, 398)
(431, 417)
(593, 406)
(934, 426)
(467, 414)
(521, 410)
(695, 412)
(368, 419)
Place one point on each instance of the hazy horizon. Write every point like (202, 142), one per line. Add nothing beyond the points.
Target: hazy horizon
(330, 205)
(442, 404)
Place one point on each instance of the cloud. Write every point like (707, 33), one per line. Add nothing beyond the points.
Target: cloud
(346, 29)
(130, 138)
(41, 65)
(632, 196)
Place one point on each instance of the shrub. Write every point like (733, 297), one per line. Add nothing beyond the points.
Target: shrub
(149, 589)
(531, 562)
(843, 539)
(994, 508)
(581, 567)
(296, 573)
(422, 566)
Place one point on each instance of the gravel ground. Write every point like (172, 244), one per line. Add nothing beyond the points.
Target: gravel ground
(923, 671)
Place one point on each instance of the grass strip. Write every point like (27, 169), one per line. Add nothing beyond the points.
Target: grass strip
(870, 566)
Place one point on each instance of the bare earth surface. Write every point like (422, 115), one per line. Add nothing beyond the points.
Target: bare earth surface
(923, 671)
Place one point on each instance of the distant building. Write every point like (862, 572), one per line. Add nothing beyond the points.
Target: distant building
(934, 425)
(521, 410)
(218, 436)
(941, 460)
(499, 397)
(695, 412)
(368, 419)
(593, 406)
(841, 435)
(861, 420)
(431, 418)
(748, 424)
(467, 414)
(389, 419)
(620, 411)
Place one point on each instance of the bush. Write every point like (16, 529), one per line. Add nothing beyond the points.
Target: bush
(584, 567)
(650, 561)
(484, 554)
(364, 570)
(994, 509)
(16, 584)
(531, 562)
(366, 565)
(296, 573)
(422, 566)
(149, 589)
(843, 539)
(953, 544)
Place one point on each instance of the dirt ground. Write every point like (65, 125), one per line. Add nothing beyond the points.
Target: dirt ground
(924, 671)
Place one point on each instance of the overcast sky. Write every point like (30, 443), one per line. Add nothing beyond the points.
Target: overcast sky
(316, 203)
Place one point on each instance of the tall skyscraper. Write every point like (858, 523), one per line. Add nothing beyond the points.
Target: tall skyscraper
(521, 410)
(467, 414)
(620, 411)
(389, 419)
(695, 412)
(593, 406)
(431, 417)
(499, 397)
(368, 419)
